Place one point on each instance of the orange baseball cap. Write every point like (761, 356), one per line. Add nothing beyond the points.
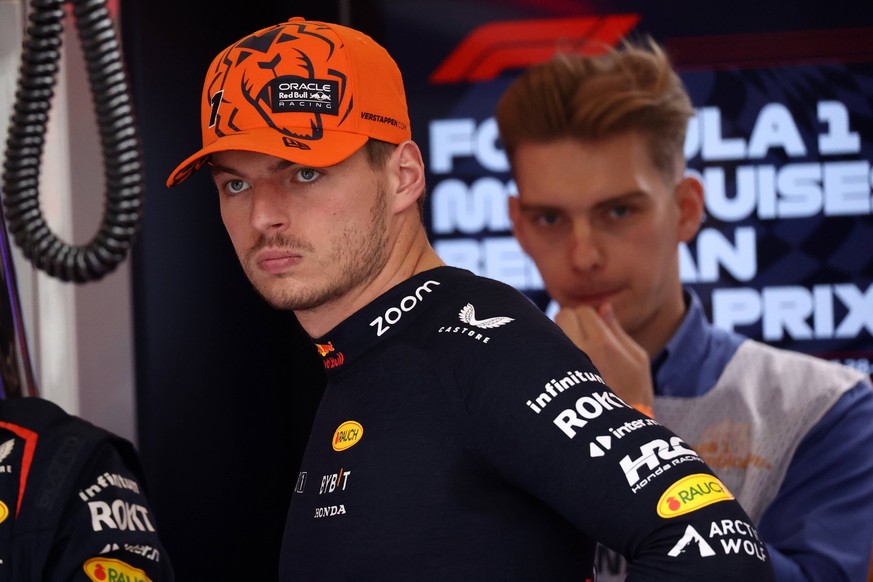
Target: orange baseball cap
(308, 92)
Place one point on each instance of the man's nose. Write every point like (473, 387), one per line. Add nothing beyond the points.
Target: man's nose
(269, 209)
(585, 250)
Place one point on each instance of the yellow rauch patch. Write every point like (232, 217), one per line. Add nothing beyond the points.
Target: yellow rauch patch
(112, 570)
(4, 512)
(347, 435)
(690, 494)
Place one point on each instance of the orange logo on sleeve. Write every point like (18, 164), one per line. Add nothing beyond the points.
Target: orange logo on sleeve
(324, 349)
(690, 494)
(110, 570)
(347, 435)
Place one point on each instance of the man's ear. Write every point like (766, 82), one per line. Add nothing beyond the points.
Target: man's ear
(689, 198)
(408, 166)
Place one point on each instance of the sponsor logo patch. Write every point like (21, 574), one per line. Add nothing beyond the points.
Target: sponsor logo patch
(334, 361)
(290, 94)
(472, 326)
(6, 449)
(119, 515)
(691, 539)
(727, 446)
(329, 511)
(347, 435)
(111, 570)
(105, 481)
(301, 482)
(603, 443)
(726, 537)
(334, 482)
(393, 314)
(468, 315)
(4, 512)
(690, 494)
(656, 457)
(324, 349)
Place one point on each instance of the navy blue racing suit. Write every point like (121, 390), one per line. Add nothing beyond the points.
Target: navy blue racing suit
(72, 504)
(462, 436)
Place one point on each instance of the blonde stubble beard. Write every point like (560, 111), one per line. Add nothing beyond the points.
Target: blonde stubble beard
(361, 255)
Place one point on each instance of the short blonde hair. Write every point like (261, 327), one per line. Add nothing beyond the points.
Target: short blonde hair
(632, 88)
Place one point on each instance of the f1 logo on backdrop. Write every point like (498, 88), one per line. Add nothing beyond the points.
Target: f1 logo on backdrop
(497, 46)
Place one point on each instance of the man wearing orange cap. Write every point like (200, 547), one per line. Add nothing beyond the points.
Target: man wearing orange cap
(461, 435)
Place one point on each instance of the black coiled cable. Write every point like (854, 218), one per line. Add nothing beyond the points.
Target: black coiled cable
(118, 138)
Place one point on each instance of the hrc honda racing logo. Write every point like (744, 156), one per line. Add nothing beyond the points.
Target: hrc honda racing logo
(656, 457)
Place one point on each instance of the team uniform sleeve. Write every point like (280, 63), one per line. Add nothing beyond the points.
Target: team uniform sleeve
(549, 424)
(108, 530)
(820, 525)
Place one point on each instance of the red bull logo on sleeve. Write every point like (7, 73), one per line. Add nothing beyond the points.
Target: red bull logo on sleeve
(334, 361)
(324, 349)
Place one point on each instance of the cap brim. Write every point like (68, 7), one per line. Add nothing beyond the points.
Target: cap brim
(332, 148)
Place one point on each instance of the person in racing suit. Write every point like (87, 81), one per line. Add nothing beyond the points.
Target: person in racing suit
(72, 502)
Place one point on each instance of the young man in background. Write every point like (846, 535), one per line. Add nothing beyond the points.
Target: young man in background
(596, 150)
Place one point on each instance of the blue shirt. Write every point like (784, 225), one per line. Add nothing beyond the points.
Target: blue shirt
(820, 526)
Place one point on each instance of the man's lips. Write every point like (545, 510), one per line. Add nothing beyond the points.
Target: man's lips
(592, 297)
(276, 260)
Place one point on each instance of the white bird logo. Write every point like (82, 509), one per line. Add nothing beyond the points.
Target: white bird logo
(468, 315)
(6, 449)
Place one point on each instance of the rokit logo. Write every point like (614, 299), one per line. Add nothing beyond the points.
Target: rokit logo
(119, 515)
(587, 408)
(656, 457)
(393, 314)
